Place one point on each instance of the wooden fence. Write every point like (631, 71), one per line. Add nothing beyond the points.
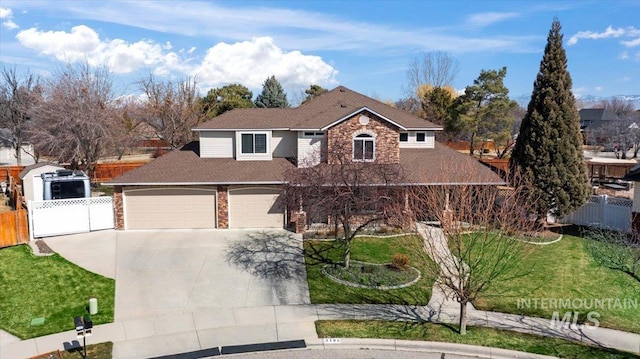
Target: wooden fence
(103, 172)
(14, 228)
(107, 171)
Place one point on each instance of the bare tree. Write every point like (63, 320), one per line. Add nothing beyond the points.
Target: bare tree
(438, 69)
(618, 135)
(477, 242)
(620, 107)
(76, 118)
(347, 195)
(172, 109)
(18, 98)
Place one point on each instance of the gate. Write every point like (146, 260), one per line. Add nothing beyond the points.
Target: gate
(67, 216)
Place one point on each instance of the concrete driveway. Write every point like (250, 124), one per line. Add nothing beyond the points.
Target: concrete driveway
(160, 273)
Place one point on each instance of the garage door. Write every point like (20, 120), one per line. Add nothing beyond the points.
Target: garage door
(255, 208)
(170, 208)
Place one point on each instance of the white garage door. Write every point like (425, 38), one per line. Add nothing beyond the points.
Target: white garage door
(255, 208)
(158, 208)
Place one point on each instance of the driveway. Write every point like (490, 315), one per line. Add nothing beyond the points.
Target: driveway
(160, 273)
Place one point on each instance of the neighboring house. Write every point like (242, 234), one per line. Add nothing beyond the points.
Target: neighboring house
(592, 119)
(232, 176)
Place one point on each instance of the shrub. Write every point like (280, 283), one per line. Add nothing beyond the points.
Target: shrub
(400, 261)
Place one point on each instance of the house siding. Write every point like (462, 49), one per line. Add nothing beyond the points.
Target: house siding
(340, 138)
(216, 144)
(309, 150)
(429, 140)
(283, 144)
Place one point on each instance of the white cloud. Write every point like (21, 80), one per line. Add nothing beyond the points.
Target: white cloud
(624, 55)
(9, 24)
(84, 43)
(5, 13)
(490, 18)
(631, 43)
(251, 62)
(598, 88)
(246, 62)
(609, 32)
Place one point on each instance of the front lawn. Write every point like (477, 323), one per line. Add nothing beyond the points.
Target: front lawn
(366, 249)
(475, 336)
(51, 288)
(565, 271)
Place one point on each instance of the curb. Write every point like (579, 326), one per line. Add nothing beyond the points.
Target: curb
(420, 346)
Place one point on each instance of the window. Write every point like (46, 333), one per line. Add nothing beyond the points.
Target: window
(420, 137)
(254, 143)
(313, 134)
(404, 137)
(363, 147)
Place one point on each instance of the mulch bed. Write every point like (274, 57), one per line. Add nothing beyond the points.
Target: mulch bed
(43, 248)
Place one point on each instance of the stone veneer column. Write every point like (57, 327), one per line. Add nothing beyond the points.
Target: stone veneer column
(118, 211)
(301, 222)
(223, 207)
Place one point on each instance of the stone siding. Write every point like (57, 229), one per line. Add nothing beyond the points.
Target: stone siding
(387, 144)
(223, 207)
(118, 210)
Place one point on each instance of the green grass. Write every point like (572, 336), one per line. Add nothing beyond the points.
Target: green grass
(565, 270)
(366, 249)
(475, 336)
(49, 287)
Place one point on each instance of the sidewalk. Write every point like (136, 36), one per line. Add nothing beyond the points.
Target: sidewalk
(166, 335)
(185, 333)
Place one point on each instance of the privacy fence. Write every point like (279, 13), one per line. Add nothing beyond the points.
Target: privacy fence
(603, 212)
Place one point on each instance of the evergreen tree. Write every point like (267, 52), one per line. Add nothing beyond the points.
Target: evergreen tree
(548, 151)
(272, 95)
(313, 91)
(484, 111)
(226, 98)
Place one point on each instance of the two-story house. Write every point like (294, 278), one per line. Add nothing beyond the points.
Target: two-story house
(232, 176)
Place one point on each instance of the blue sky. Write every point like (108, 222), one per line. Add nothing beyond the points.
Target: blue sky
(364, 45)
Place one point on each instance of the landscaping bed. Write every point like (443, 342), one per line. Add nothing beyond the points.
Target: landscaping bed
(475, 336)
(372, 275)
(41, 295)
(321, 254)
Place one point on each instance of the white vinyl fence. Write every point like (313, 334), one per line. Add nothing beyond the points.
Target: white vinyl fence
(66, 216)
(603, 212)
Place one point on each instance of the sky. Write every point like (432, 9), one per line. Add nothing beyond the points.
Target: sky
(364, 45)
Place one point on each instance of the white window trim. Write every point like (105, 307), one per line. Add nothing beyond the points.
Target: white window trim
(403, 133)
(353, 146)
(425, 137)
(254, 153)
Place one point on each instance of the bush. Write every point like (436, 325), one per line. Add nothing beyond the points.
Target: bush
(400, 261)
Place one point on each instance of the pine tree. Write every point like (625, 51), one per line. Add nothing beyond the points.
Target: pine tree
(548, 151)
(272, 95)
